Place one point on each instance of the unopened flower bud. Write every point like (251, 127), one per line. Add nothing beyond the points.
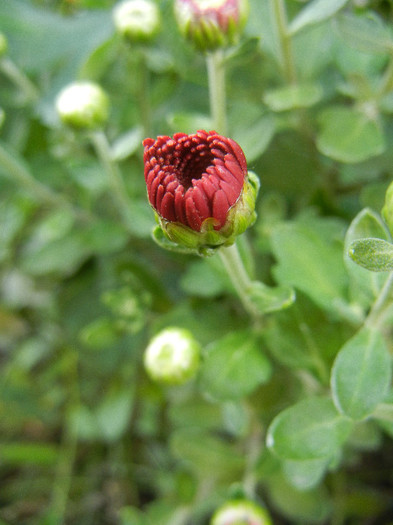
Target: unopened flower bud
(211, 24)
(83, 105)
(200, 189)
(387, 210)
(241, 512)
(3, 45)
(137, 20)
(172, 357)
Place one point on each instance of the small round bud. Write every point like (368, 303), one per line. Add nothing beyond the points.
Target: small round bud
(241, 512)
(137, 20)
(200, 189)
(211, 24)
(83, 105)
(387, 210)
(172, 356)
(3, 45)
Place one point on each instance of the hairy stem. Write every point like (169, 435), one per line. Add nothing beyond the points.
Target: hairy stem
(278, 8)
(242, 283)
(19, 79)
(217, 93)
(376, 317)
(112, 171)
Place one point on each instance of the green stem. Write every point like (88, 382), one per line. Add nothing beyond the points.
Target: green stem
(242, 283)
(143, 94)
(217, 94)
(115, 179)
(376, 317)
(19, 79)
(68, 448)
(387, 80)
(278, 7)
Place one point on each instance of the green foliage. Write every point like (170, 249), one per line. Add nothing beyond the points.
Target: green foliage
(291, 408)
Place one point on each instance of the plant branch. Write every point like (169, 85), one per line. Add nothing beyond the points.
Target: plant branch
(217, 91)
(19, 79)
(242, 283)
(278, 7)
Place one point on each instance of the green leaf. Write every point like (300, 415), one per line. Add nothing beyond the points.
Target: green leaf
(268, 299)
(202, 280)
(367, 33)
(189, 122)
(293, 97)
(373, 254)
(364, 285)
(127, 144)
(305, 474)
(310, 258)
(361, 374)
(299, 506)
(114, 413)
(100, 333)
(255, 137)
(311, 429)
(205, 454)
(347, 135)
(314, 12)
(234, 366)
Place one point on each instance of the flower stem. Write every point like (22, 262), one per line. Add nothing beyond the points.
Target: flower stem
(376, 317)
(242, 283)
(18, 78)
(115, 179)
(143, 94)
(217, 93)
(278, 8)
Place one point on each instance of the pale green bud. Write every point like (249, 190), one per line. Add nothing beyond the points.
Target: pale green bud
(137, 20)
(83, 105)
(172, 356)
(241, 512)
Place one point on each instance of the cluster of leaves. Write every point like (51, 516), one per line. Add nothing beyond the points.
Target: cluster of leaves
(295, 411)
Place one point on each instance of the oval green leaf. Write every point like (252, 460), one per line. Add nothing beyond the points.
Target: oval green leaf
(347, 135)
(375, 255)
(311, 429)
(361, 374)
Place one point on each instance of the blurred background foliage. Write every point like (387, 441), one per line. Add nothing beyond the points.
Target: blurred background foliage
(85, 436)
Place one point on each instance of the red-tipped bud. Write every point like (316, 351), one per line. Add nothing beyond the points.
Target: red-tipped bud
(211, 24)
(199, 187)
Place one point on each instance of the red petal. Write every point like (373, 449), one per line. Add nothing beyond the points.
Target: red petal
(180, 206)
(192, 215)
(226, 175)
(238, 154)
(159, 197)
(235, 168)
(230, 192)
(201, 203)
(167, 208)
(220, 208)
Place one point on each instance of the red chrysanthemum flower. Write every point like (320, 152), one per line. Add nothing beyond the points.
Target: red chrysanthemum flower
(191, 178)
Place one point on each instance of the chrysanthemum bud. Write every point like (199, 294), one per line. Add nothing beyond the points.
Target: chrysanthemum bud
(387, 210)
(211, 24)
(241, 512)
(200, 189)
(3, 45)
(172, 356)
(137, 20)
(83, 105)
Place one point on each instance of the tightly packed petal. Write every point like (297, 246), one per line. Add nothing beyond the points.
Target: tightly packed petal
(199, 184)
(191, 178)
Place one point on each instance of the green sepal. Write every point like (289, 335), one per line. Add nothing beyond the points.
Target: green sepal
(373, 254)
